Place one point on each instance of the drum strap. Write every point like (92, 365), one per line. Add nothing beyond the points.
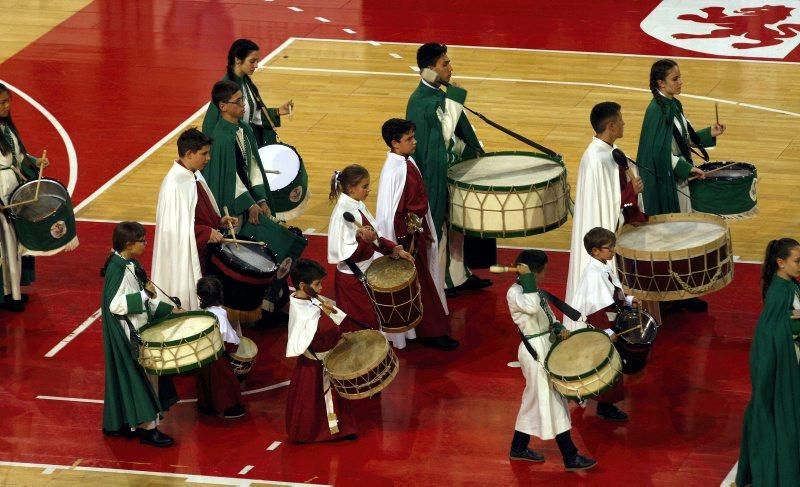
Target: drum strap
(528, 345)
(333, 421)
(568, 310)
(136, 339)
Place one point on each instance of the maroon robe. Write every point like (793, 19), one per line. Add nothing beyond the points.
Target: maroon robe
(415, 200)
(306, 417)
(206, 219)
(599, 319)
(217, 386)
(351, 297)
(629, 200)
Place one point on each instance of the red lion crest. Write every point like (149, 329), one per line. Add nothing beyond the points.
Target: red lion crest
(752, 23)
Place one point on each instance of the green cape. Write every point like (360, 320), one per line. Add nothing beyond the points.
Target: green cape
(220, 172)
(655, 156)
(264, 135)
(432, 155)
(129, 398)
(770, 449)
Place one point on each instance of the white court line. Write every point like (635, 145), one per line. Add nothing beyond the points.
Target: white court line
(77, 331)
(534, 81)
(246, 469)
(130, 167)
(100, 220)
(274, 445)
(349, 31)
(208, 479)
(395, 55)
(322, 19)
(189, 400)
(72, 157)
(556, 51)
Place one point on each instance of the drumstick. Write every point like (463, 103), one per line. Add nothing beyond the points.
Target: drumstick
(728, 166)
(499, 269)
(39, 181)
(271, 171)
(716, 111)
(238, 241)
(637, 327)
(230, 224)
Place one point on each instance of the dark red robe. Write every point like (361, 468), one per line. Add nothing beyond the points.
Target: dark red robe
(629, 200)
(415, 200)
(351, 297)
(306, 417)
(217, 386)
(206, 219)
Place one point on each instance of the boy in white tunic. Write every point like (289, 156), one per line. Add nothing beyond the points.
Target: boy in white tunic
(543, 412)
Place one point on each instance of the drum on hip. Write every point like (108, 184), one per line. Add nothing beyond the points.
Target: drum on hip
(180, 343)
(636, 330)
(244, 358)
(508, 194)
(289, 186)
(395, 291)
(583, 366)
(675, 256)
(43, 218)
(361, 364)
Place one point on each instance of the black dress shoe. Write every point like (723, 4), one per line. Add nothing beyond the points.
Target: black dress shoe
(155, 438)
(527, 454)
(122, 432)
(473, 283)
(23, 297)
(695, 305)
(451, 292)
(234, 412)
(579, 462)
(15, 305)
(610, 412)
(443, 342)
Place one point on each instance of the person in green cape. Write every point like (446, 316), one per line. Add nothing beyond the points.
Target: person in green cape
(16, 167)
(132, 406)
(665, 151)
(444, 137)
(770, 448)
(243, 57)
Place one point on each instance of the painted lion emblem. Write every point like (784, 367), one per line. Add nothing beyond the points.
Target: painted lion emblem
(753, 23)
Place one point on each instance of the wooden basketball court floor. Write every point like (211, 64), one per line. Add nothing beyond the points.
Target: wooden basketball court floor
(344, 89)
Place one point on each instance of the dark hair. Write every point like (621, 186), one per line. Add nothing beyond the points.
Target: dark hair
(395, 128)
(349, 176)
(210, 292)
(602, 114)
(598, 237)
(7, 146)
(307, 271)
(658, 72)
(192, 140)
(223, 91)
(126, 233)
(239, 50)
(776, 249)
(533, 258)
(429, 53)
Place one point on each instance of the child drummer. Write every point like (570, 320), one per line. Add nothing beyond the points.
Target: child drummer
(543, 412)
(314, 411)
(599, 297)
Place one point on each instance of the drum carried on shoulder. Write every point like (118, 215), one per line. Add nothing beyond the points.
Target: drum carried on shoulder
(287, 243)
(583, 366)
(361, 364)
(675, 256)
(729, 190)
(508, 194)
(395, 292)
(289, 186)
(180, 343)
(43, 219)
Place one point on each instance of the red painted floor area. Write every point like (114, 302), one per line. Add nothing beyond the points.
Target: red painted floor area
(447, 419)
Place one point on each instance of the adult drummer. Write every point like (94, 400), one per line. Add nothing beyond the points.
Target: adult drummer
(187, 220)
(16, 167)
(444, 137)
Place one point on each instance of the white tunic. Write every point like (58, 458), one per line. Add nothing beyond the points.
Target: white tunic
(342, 234)
(597, 204)
(304, 317)
(225, 328)
(176, 264)
(595, 291)
(119, 303)
(11, 265)
(543, 412)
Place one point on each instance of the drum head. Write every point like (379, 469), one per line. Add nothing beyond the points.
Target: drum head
(733, 171)
(671, 235)
(175, 328)
(247, 350)
(386, 273)
(631, 320)
(52, 196)
(249, 258)
(279, 157)
(356, 353)
(506, 170)
(580, 354)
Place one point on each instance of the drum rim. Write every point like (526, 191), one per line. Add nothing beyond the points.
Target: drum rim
(538, 155)
(512, 233)
(358, 373)
(625, 313)
(391, 359)
(726, 163)
(585, 374)
(666, 255)
(617, 378)
(404, 285)
(154, 323)
(180, 370)
(300, 168)
(33, 181)
(246, 359)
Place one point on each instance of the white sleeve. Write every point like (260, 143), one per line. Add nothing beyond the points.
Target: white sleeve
(449, 118)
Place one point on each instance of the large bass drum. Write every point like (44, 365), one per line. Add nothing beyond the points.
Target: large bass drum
(44, 222)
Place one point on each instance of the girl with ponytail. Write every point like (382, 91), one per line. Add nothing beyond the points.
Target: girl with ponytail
(243, 58)
(771, 434)
(353, 243)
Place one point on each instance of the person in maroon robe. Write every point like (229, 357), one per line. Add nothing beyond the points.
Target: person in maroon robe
(314, 411)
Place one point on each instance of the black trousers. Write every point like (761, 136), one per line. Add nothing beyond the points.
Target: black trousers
(568, 449)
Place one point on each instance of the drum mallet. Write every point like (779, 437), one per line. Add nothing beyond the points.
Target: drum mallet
(499, 269)
(350, 218)
(230, 224)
